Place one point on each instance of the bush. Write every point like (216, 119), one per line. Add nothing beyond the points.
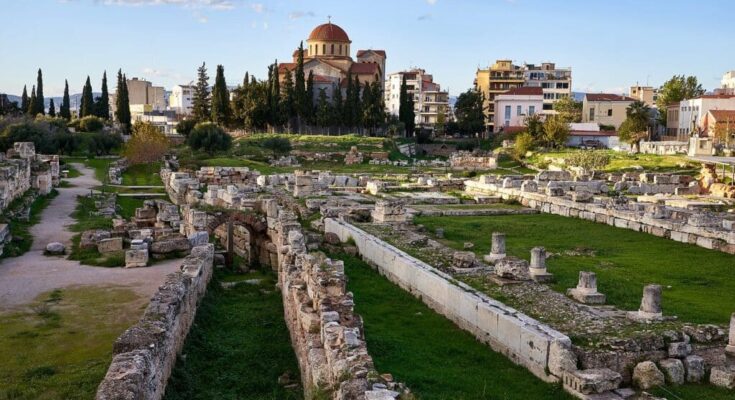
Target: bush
(465, 146)
(209, 137)
(523, 144)
(100, 143)
(277, 145)
(185, 126)
(589, 161)
(90, 123)
(39, 133)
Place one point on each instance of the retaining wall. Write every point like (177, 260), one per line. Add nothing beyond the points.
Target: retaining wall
(714, 238)
(541, 349)
(144, 355)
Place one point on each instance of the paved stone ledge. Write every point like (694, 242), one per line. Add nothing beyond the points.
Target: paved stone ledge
(541, 349)
(144, 355)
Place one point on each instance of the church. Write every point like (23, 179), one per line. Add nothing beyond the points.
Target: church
(327, 55)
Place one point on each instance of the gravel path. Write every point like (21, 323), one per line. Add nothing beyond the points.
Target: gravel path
(23, 278)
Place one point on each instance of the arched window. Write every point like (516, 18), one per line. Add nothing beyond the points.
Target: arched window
(332, 49)
(324, 49)
(315, 49)
(340, 49)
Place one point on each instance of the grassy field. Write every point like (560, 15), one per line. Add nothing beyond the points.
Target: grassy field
(435, 358)
(142, 175)
(238, 346)
(699, 284)
(318, 142)
(62, 346)
(622, 161)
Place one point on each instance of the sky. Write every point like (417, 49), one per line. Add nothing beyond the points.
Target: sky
(610, 45)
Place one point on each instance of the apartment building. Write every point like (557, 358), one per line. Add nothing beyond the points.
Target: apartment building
(692, 112)
(605, 108)
(555, 83)
(646, 94)
(429, 100)
(515, 105)
(728, 80)
(142, 92)
(180, 99)
(672, 121)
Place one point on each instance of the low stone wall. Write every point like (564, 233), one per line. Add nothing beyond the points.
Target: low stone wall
(633, 216)
(144, 355)
(542, 350)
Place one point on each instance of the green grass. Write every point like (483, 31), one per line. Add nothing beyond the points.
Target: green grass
(702, 282)
(318, 142)
(693, 392)
(142, 175)
(62, 346)
(20, 230)
(84, 220)
(238, 345)
(128, 206)
(622, 161)
(73, 172)
(435, 358)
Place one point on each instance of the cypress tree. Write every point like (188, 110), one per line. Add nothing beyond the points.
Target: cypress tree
(200, 103)
(310, 97)
(32, 104)
(323, 110)
(122, 102)
(87, 106)
(51, 108)
(65, 109)
(274, 95)
(337, 105)
(288, 95)
(356, 104)
(220, 98)
(40, 101)
(300, 84)
(102, 108)
(405, 111)
(246, 80)
(347, 107)
(24, 100)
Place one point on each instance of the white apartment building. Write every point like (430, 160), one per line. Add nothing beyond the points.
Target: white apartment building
(428, 98)
(556, 83)
(180, 99)
(728, 80)
(692, 111)
(142, 92)
(513, 106)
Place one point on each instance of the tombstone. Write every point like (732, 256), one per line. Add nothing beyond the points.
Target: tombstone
(537, 269)
(440, 233)
(497, 251)
(650, 305)
(586, 290)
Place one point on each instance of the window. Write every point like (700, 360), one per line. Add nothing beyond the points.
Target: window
(332, 48)
(531, 110)
(548, 106)
(507, 112)
(518, 111)
(340, 49)
(426, 109)
(324, 49)
(609, 112)
(592, 113)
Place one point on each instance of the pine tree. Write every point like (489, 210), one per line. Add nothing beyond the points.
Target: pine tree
(87, 106)
(200, 103)
(24, 100)
(102, 106)
(51, 108)
(65, 109)
(309, 107)
(32, 103)
(122, 102)
(220, 98)
(40, 101)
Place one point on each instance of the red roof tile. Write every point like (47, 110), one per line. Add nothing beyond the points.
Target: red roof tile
(524, 91)
(365, 68)
(329, 32)
(722, 115)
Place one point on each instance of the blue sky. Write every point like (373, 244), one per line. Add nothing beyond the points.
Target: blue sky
(609, 44)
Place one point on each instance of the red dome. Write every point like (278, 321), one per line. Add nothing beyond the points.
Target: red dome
(329, 32)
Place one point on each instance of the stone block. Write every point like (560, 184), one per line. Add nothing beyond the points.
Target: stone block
(592, 381)
(722, 377)
(512, 268)
(170, 245)
(198, 238)
(695, 370)
(646, 375)
(679, 349)
(136, 258)
(110, 245)
(673, 370)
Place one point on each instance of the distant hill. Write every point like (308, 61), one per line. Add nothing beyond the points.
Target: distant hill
(75, 100)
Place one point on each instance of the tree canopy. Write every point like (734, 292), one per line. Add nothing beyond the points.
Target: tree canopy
(200, 102)
(469, 113)
(209, 137)
(676, 89)
(147, 144)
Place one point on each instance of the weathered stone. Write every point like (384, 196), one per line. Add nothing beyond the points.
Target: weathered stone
(592, 381)
(650, 304)
(723, 377)
(198, 238)
(561, 357)
(512, 268)
(646, 375)
(464, 259)
(170, 245)
(136, 258)
(537, 268)
(679, 349)
(497, 249)
(439, 233)
(90, 238)
(673, 370)
(110, 245)
(695, 370)
(55, 248)
(586, 290)
(730, 348)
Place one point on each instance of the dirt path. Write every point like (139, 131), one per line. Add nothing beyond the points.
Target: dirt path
(23, 278)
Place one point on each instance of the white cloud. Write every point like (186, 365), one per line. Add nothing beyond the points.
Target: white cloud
(300, 14)
(431, 2)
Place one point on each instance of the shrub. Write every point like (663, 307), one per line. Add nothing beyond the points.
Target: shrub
(589, 161)
(147, 145)
(277, 145)
(185, 126)
(209, 137)
(90, 123)
(466, 146)
(100, 143)
(523, 144)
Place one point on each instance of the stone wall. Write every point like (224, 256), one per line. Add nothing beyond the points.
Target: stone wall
(668, 222)
(469, 161)
(144, 355)
(541, 349)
